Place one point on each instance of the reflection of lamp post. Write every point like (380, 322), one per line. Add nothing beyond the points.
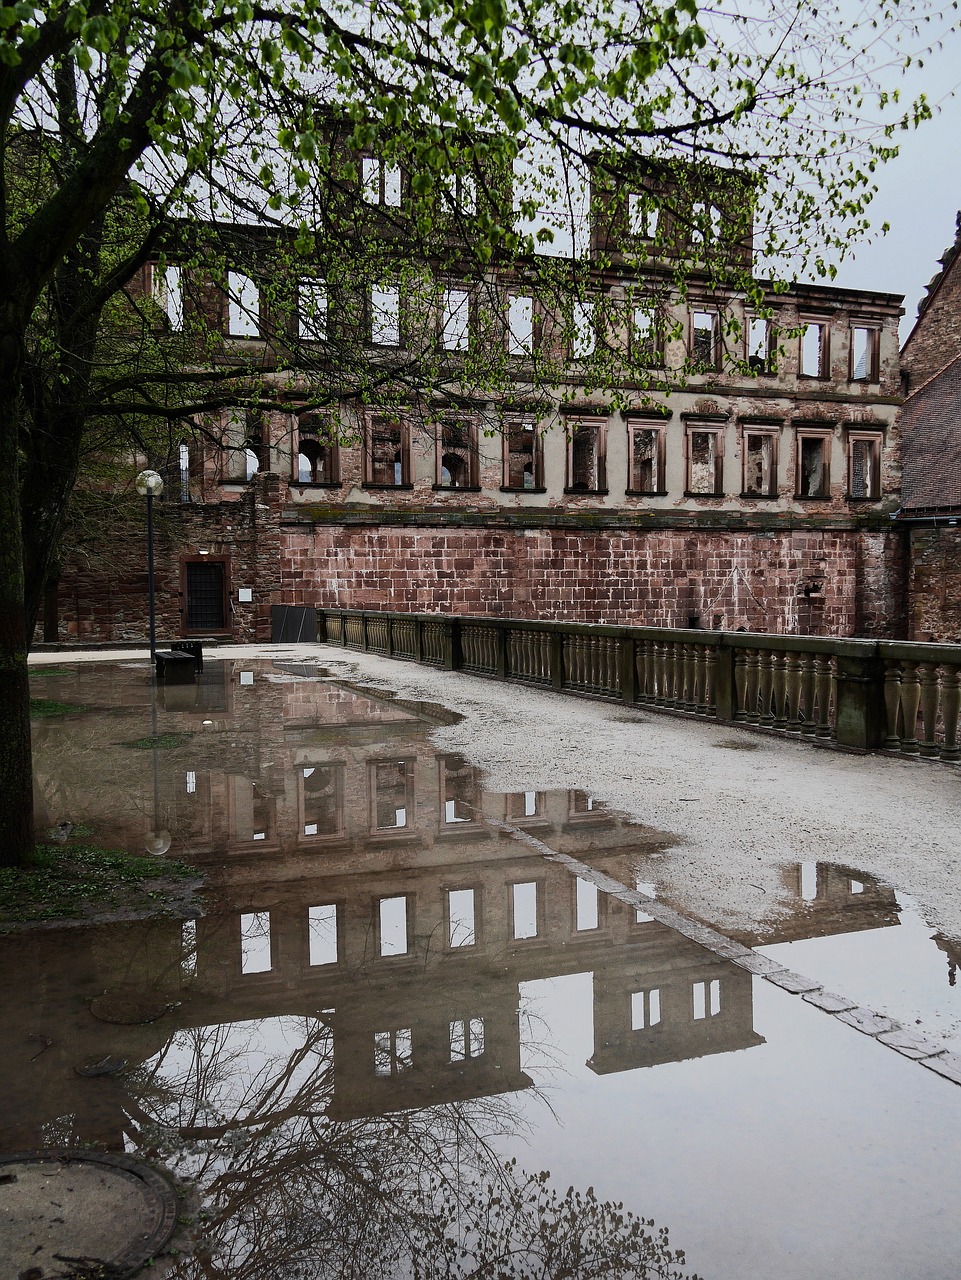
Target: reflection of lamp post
(150, 485)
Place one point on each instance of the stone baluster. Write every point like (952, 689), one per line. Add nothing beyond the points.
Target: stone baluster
(930, 698)
(808, 722)
(765, 688)
(752, 660)
(950, 706)
(793, 670)
(892, 704)
(740, 684)
(697, 693)
(709, 659)
(910, 701)
(779, 663)
(643, 665)
(823, 679)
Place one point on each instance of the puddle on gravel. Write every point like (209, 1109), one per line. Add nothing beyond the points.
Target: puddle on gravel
(398, 1011)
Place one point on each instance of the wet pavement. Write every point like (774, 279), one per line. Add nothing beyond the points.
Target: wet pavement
(410, 995)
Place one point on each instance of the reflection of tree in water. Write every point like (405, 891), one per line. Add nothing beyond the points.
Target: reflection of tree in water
(241, 1110)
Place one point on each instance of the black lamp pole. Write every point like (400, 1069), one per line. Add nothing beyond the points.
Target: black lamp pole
(150, 485)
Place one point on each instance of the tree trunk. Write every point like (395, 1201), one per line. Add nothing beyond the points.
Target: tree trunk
(16, 766)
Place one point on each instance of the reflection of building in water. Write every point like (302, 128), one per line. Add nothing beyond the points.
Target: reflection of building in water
(355, 875)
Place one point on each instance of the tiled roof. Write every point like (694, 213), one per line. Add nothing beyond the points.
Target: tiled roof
(931, 443)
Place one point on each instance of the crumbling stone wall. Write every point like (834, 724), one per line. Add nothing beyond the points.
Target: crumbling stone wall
(936, 337)
(934, 584)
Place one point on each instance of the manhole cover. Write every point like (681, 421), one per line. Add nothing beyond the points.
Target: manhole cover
(62, 1207)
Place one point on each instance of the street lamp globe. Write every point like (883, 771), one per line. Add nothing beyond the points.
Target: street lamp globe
(149, 484)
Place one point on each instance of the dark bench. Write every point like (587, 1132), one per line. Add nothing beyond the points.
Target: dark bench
(180, 663)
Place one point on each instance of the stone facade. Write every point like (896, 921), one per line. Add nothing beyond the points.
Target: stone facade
(750, 484)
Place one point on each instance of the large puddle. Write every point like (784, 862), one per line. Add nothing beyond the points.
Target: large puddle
(399, 1010)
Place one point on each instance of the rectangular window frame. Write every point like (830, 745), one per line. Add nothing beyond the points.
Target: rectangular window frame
(712, 365)
(511, 431)
(468, 451)
(228, 627)
(824, 351)
(826, 436)
(312, 325)
(572, 429)
(320, 436)
(697, 428)
(450, 337)
(378, 188)
(647, 341)
(518, 349)
(244, 318)
(409, 795)
(337, 768)
(876, 439)
(761, 365)
(371, 425)
(772, 434)
(660, 459)
(872, 372)
(375, 335)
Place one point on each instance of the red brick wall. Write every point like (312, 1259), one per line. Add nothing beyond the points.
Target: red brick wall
(802, 581)
(936, 337)
(799, 582)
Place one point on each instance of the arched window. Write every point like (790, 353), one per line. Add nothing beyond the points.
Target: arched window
(316, 462)
(252, 464)
(453, 471)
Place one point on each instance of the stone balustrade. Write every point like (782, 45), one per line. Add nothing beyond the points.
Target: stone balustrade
(858, 694)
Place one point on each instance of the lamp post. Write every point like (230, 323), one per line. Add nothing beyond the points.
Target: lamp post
(150, 485)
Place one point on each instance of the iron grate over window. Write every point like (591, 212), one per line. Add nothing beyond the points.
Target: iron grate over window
(205, 596)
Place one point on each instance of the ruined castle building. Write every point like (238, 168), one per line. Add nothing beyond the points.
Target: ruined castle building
(931, 427)
(760, 495)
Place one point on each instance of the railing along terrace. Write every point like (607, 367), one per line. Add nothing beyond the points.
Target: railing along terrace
(859, 694)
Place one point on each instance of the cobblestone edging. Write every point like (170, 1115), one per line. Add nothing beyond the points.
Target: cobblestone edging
(930, 1053)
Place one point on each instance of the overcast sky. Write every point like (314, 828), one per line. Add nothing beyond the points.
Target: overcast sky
(920, 193)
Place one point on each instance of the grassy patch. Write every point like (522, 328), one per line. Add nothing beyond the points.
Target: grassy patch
(81, 881)
(163, 740)
(35, 672)
(42, 708)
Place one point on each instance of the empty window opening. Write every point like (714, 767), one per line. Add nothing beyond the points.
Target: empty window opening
(585, 332)
(455, 320)
(385, 317)
(316, 462)
(581, 802)
(387, 457)
(522, 457)
(183, 471)
(251, 464)
(586, 905)
(322, 934)
(393, 1052)
(524, 909)
(323, 800)
(704, 463)
(255, 942)
(253, 810)
(168, 294)
(649, 890)
(456, 455)
(645, 1009)
(704, 339)
(706, 997)
(647, 460)
(461, 789)
(460, 918)
(243, 306)
(759, 345)
(813, 471)
(857, 886)
(392, 919)
(520, 325)
(381, 183)
(809, 881)
(646, 337)
(191, 782)
(864, 453)
(459, 193)
(392, 786)
(705, 223)
(312, 310)
(760, 464)
(864, 354)
(188, 949)
(642, 215)
(246, 677)
(525, 804)
(530, 804)
(814, 350)
(466, 1039)
(586, 460)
